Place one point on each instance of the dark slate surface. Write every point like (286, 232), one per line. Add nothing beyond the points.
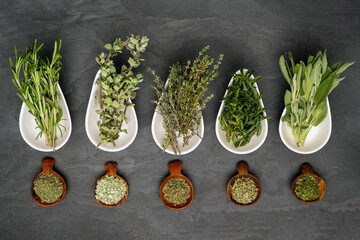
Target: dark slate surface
(251, 34)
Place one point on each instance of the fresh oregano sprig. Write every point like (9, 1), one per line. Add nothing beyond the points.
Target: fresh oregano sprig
(310, 84)
(242, 115)
(116, 89)
(37, 80)
(181, 101)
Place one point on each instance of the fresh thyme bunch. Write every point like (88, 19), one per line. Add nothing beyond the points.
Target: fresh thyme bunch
(182, 99)
(38, 88)
(116, 89)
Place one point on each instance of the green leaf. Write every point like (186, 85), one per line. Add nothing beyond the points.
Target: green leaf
(324, 63)
(115, 104)
(320, 113)
(108, 47)
(132, 62)
(344, 67)
(324, 89)
(284, 70)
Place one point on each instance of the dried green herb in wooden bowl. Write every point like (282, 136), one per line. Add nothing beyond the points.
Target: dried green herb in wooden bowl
(176, 191)
(244, 190)
(48, 188)
(307, 188)
(110, 190)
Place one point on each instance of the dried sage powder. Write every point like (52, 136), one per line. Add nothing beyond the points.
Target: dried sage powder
(244, 190)
(176, 191)
(48, 188)
(110, 190)
(307, 188)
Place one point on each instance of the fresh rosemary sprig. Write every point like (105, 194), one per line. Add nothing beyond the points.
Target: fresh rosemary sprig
(182, 100)
(242, 115)
(38, 88)
(310, 85)
(116, 89)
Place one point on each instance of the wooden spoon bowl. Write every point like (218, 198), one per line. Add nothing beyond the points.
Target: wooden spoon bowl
(243, 171)
(110, 169)
(175, 172)
(48, 168)
(307, 170)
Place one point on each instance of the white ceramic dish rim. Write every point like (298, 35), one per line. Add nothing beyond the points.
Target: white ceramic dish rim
(298, 149)
(66, 134)
(218, 127)
(168, 150)
(87, 127)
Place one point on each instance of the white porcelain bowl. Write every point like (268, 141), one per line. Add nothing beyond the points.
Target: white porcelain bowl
(92, 129)
(29, 131)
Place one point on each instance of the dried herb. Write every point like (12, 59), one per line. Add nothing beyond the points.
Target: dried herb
(182, 100)
(48, 188)
(38, 88)
(244, 190)
(110, 190)
(307, 188)
(176, 191)
(242, 115)
(116, 89)
(310, 85)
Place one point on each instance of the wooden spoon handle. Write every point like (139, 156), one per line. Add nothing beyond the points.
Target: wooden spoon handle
(47, 164)
(307, 169)
(243, 168)
(111, 168)
(175, 167)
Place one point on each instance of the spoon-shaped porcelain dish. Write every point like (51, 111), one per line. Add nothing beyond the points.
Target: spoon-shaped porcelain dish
(243, 171)
(315, 140)
(29, 131)
(307, 170)
(47, 168)
(175, 172)
(92, 129)
(110, 169)
(158, 133)
(255, 142)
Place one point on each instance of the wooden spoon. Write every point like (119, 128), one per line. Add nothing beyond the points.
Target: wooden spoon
(175, 172)
(243, 170)
(110, 169)
(47, 167)
(307, 170)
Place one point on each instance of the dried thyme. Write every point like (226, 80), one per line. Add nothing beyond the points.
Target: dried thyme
(307, 188)
(176, 191)
(48, 188)
(244, 190)
(110, 190)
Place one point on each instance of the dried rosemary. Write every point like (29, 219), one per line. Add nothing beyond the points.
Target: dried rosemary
(307, 188)
(176, 191)
(48, 188)
(244, 190)
(110, 190)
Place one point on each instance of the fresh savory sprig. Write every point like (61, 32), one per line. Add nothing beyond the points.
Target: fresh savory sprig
(37, 86)
(242, 115)
(310, 84)
(182, 100)
(116, 89)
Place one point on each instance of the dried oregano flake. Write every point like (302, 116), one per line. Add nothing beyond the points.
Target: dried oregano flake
(110, 190)
(244, 190)
(48, 188)
(307, 188)
(176, 191)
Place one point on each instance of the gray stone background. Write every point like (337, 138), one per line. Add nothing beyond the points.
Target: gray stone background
(251, 34)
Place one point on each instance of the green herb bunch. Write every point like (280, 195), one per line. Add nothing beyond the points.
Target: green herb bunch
(116, 89)
(181, 101)
(37, 80)
(242, 115)
(310, 84)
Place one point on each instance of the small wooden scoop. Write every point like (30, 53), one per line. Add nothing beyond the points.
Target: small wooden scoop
(47, 167)
(243, 170)
(307, 170)
(175, 172)
(110, 169)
